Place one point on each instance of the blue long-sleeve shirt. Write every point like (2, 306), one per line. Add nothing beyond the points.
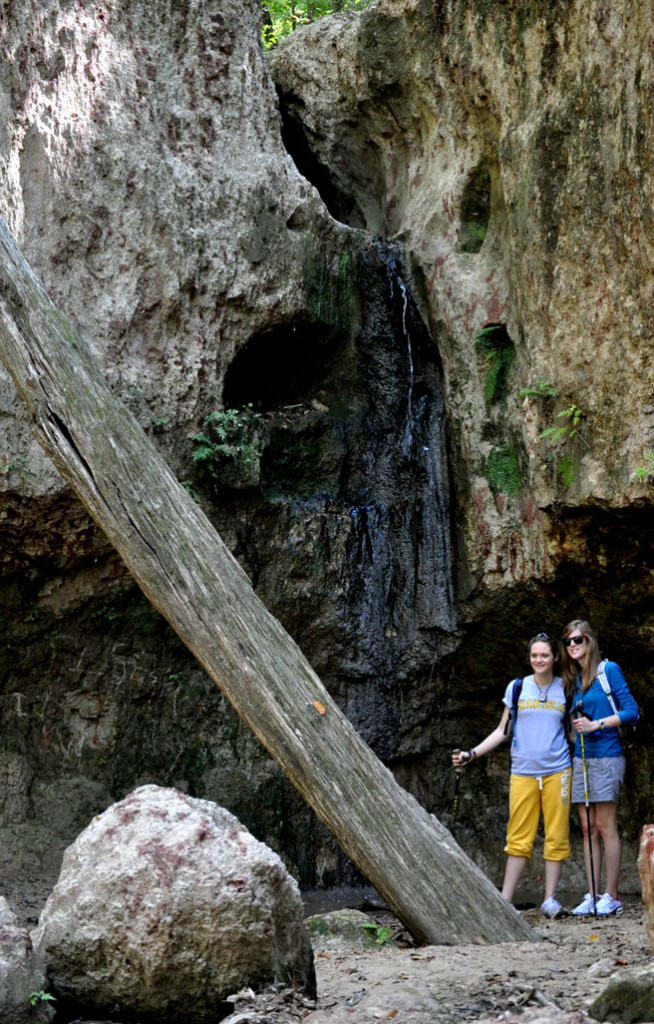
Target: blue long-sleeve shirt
(595, 704)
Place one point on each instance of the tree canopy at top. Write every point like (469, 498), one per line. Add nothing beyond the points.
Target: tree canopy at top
(280, 17)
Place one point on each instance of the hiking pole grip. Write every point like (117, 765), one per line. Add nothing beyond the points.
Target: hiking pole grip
(458, 772)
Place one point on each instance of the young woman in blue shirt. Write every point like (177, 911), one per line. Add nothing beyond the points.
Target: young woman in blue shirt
(598, 723)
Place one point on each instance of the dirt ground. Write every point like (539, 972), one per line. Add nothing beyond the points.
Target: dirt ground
(568, 968)
(561, 973)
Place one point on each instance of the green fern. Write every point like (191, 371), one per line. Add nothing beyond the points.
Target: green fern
(566, 431)
(642, 472)
(494, 343)
(228, 449)
(540, 389)
(502, 470)
(568, 467)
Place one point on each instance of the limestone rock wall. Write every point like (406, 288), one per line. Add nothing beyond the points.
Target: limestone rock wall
(509, 149)
(129, 144)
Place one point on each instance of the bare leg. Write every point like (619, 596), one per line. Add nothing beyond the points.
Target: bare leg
(512, 872)
(606, 820)
(593, 885)
(553, 870)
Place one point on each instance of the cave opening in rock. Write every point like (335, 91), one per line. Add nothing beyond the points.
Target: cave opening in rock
(341, 204)
(475, 210)
(287, 365)
(494, 343)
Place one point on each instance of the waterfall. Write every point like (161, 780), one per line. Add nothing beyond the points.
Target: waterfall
(391, 256)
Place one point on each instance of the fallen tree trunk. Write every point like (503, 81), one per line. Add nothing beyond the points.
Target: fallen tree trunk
(183, 567)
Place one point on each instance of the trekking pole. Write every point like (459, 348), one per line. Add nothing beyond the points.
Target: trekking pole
(584, 772)
(458, 772)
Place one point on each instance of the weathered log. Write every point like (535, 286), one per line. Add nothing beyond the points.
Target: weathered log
(188, 574)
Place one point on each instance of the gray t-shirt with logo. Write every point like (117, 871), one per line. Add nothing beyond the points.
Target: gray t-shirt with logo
(539, 745)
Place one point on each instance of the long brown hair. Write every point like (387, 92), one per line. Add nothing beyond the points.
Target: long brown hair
(570, 668)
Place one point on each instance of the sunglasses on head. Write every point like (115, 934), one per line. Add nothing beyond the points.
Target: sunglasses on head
(567, 640)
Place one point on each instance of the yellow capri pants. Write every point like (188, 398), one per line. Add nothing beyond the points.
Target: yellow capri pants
(529, 797)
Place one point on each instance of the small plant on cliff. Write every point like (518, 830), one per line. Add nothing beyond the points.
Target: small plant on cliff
(641, 472)
(565, 429)
(382, 933)
(540, 389)
(228, 449)
(36, 998)
(502, 470)
(280, 17)
(495, 344)
(572, 416)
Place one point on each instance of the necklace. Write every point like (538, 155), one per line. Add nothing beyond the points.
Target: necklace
(542, 697)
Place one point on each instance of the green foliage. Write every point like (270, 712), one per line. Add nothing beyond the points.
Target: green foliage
(228, 449)
(17, 466)
(36, 998)
(502, 470)
(383, 933)
(568, 467)
(563, 463)
(494, 342)
(330, 289)
(573, 416)
(641, 472)
(281, 17)
(540, 389)
(109, 611)
(473, 235)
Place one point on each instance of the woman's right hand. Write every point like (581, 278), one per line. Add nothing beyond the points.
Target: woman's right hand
(460, 758)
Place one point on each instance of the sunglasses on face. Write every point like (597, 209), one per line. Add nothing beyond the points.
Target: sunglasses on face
(576, 640)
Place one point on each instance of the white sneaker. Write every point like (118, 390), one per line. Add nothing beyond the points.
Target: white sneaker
(553, 909)
(587, 906)
(607, 905)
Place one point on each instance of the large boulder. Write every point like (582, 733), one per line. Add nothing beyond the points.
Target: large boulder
(164, 906)
(628, 998)
(21, 974)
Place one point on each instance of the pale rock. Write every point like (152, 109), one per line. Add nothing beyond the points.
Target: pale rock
(165, 905)
(602, 968)
(628, 998)
(429, 121)
(21, 973)
(646, 872)
(143, 174)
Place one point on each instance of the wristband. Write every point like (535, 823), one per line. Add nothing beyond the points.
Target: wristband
(472, 754)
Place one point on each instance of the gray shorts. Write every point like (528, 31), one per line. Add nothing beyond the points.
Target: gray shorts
(605, 776)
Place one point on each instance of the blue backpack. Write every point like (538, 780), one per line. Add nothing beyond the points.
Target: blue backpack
(628, 733)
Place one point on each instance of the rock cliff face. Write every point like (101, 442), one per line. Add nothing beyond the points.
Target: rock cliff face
(509, 149)
(474, 167)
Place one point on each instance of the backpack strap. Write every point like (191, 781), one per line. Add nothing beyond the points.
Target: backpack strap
(606, 686)
(513, 717)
